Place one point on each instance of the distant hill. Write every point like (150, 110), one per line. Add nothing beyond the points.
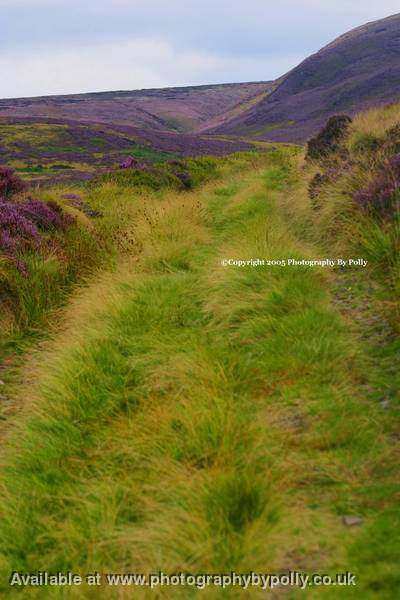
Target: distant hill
(71, 137)
(179, 110)
(359, 69)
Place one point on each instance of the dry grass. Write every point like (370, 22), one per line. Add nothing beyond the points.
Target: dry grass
(375, 121)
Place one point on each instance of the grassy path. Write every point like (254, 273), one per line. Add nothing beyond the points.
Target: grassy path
(194, 417)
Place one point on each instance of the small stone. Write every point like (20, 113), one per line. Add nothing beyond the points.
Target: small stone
(71, 197)
(351, 520)
(295, 422)
(385, 403)
(296, 402)
(2, 382)
(366, 387)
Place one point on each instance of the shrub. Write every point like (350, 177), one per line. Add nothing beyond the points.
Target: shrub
(202, 169)
(393, 139)
(10, 184)
(185, 178)
(366, 143)
(381, 198)
(46, 216)
(329, 138)
(22, 222)
(17, 231)
(153, 178)
(175, 174)
(315, 185)
(330, 175)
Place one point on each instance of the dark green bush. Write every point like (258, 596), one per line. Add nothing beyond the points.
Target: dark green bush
(178, 175)
(203, 169)
(329, 138)
(366, 143)
(152, 178)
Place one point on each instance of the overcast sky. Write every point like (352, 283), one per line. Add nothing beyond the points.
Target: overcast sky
(71, 46)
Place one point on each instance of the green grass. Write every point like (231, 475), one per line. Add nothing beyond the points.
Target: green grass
(263, 129)
(149, 154)
(22, 142)
(37, 170)
(180, 123)
(200, 418)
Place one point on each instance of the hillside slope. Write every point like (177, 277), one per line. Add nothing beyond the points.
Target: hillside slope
(48, 149)
(170, 109)
(359, 69)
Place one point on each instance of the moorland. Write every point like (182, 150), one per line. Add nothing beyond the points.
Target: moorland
(161, 410)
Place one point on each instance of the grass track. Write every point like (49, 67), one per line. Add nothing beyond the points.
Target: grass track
(191, 417)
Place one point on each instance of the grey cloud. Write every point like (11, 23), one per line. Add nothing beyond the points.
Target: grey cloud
(256, 34)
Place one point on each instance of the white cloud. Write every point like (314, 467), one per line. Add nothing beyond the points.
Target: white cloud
(87, 68)
(142, 63)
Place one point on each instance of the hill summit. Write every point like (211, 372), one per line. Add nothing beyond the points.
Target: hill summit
(357, 70)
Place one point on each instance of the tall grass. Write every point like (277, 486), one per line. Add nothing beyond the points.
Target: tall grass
(191, 417)
(335, 221)
(375, 121)
(27, 299)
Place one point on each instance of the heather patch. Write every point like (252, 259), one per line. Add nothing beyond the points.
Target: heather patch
(330, 138)
(23, 221)
(56, 151)
(353, 187)
(10, 184)
(381, 198)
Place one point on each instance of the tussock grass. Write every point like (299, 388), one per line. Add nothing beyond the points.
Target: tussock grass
(191, 417)
(375, 121)
(334, 221)
(74, 256)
